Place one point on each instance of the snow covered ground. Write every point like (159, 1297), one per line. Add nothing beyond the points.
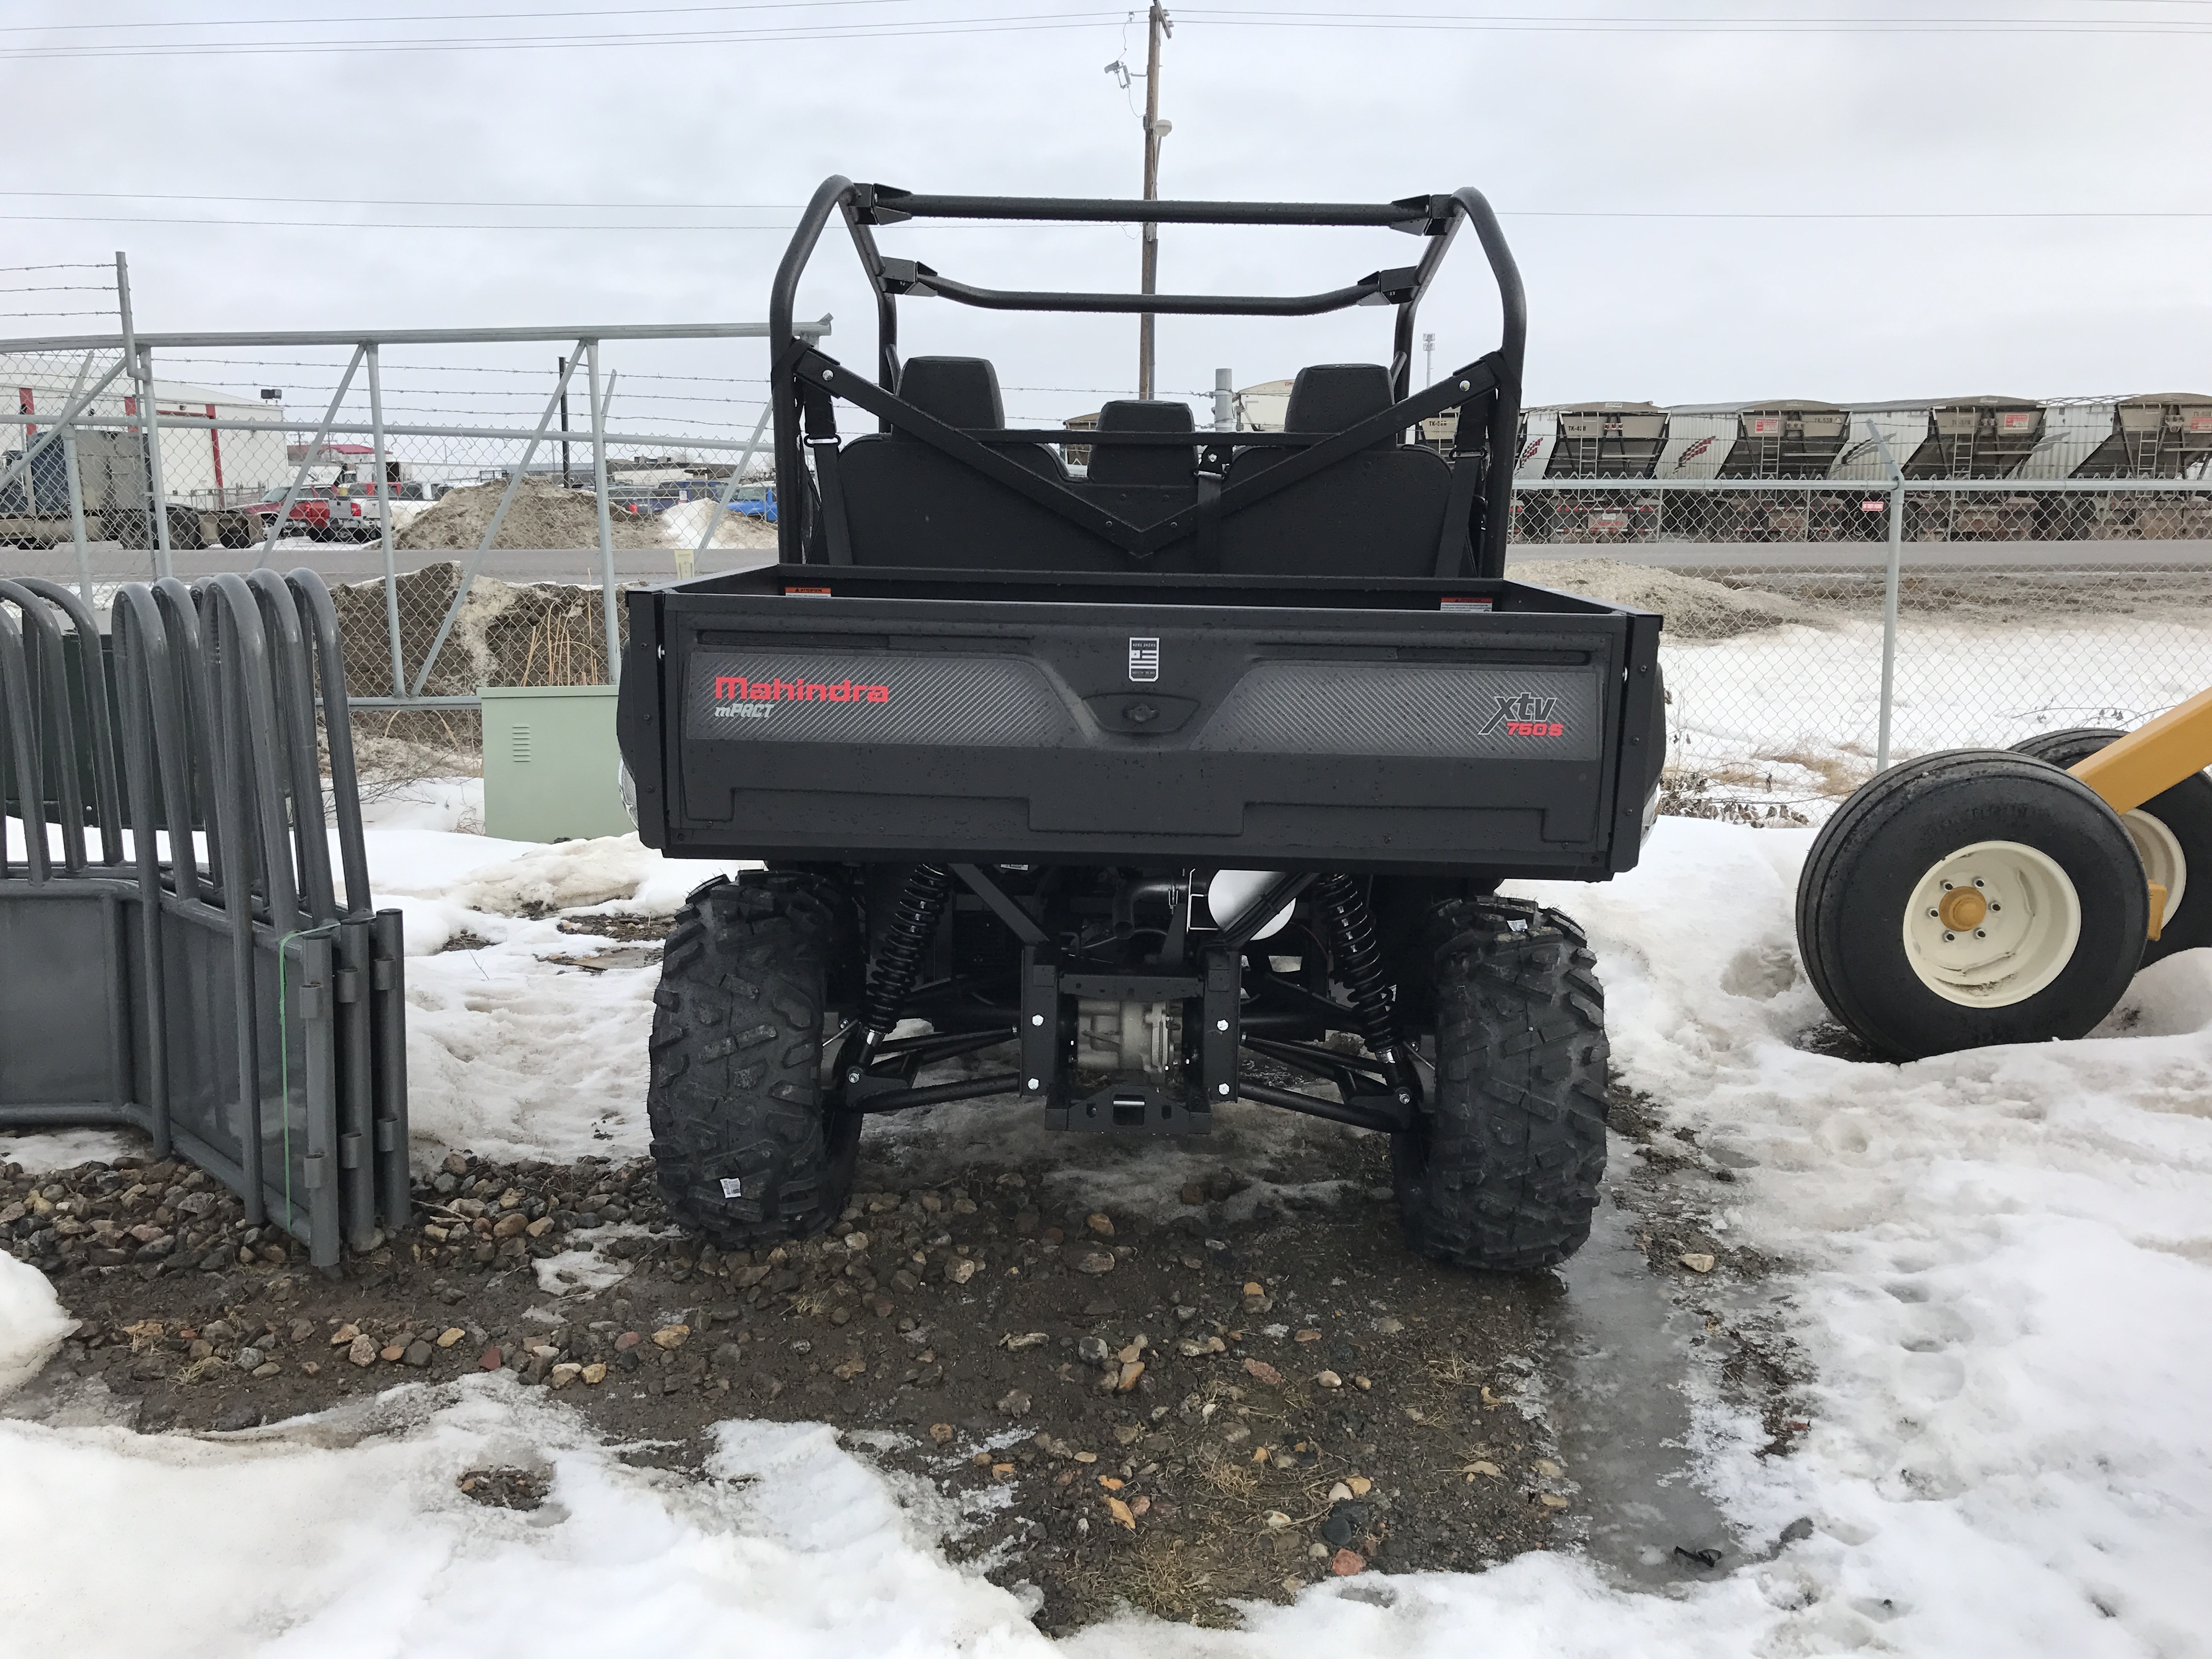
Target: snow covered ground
(1793, 713)
(2002, 1274)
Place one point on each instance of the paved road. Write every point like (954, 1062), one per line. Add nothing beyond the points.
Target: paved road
(364, 561)
(1874, 555)
(353, 562)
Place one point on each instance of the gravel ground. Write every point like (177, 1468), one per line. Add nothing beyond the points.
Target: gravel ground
(1173, 1417)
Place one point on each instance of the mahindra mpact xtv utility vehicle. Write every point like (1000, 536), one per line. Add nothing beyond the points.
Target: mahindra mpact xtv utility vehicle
(1184, 779)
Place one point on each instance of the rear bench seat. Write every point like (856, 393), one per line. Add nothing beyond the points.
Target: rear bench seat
(1376, 513)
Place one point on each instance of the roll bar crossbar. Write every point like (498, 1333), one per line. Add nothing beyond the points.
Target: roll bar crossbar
(796, 370)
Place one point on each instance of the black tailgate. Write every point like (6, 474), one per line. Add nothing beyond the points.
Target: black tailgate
(1399, 726)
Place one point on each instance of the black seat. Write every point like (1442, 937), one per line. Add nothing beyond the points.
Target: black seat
(1145, 464)
(1380, 511)
(908, 503)
(1143, 483)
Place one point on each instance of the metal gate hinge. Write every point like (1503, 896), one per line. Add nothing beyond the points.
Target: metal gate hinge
(311, 1172)
(347, 982)
(350, 1152)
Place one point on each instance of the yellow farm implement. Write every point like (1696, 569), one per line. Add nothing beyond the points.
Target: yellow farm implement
(1980, 895)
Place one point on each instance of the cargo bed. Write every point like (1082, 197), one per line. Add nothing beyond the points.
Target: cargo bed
(1459, 725)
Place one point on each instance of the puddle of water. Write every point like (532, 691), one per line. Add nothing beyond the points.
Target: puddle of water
(1623, 1416)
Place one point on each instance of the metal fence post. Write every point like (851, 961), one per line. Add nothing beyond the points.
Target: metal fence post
(384, 509)
(607, 523)
(77, 514)
(1889, 598)
(141, 366)
(75, 485)
(159, 506)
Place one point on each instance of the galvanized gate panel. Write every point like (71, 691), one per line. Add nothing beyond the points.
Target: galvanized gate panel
(52, 1075)
(218, 992)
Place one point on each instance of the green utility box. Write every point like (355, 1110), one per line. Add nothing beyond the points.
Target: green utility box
(551, 771)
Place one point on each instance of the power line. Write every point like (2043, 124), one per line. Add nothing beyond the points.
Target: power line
(1032, 21)
(546, 14)
(1015, 23)
(485, 16)
(1507, 24)
(1273, 14)
(2028, 215)
(408, 201)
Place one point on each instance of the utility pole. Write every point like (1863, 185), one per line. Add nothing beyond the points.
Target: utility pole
(563, 364)
(1155, 130)
(1428, 360)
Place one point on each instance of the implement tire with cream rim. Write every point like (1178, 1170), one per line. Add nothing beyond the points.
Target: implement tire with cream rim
(2039, 904)
(2173, 834)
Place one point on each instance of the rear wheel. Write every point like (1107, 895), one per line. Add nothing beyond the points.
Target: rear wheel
(746, 1148)
(1501, 1168)
(1968, 898)
(2172, 831)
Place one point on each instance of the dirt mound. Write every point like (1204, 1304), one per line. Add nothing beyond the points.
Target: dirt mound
(543, 515)
(507, 634)
(1695, 608)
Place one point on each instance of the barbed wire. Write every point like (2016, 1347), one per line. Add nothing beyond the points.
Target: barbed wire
(630, 376)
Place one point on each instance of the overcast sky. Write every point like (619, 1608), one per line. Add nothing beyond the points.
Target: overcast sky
(2013, 114)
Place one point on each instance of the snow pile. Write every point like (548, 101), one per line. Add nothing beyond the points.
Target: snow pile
(346, 1533)
(565, 875)
(1695, 608)
(32, 1322)
(683, 524)
(542, 516)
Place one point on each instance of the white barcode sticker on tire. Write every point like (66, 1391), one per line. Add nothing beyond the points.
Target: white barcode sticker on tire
(732, 1188)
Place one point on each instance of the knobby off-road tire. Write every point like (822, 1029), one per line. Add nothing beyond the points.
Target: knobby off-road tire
(1500, 1170)
(744, 1151)
(2181, 819)
(1861, 890)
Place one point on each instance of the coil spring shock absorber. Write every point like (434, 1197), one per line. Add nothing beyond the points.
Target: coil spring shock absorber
(1359, 967)
(904, 948)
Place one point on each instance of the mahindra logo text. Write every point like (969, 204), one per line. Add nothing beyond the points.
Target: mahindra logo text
(737, 688)
(1525, 715)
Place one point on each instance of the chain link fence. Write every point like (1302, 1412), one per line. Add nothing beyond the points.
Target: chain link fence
(478, 501)
(2017, 608)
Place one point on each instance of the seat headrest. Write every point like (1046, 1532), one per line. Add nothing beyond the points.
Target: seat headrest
(1330, 397)
(1135, 464)
(1145, 415)
(961, 391)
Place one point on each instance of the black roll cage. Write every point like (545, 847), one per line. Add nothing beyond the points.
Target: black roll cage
(805, 381)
